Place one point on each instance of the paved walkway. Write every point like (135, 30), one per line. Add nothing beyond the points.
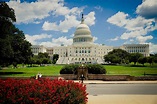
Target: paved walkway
(120, 99)
(115, 82)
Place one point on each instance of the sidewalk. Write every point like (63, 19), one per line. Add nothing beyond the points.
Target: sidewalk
(122, 99)
(115, 82)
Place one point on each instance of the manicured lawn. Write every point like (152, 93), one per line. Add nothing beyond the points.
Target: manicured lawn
(55, 69)
(32, 71)
(128, 70)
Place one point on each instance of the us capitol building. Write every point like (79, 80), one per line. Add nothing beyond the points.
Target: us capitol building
(84, 50)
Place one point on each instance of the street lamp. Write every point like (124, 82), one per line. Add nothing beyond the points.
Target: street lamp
(82, 76)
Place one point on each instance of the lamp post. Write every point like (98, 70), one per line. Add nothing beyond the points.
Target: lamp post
(82, 76)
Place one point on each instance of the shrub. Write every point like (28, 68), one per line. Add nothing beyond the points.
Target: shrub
(92, 69)
(44, 91)
(96, 69)
(69, 69)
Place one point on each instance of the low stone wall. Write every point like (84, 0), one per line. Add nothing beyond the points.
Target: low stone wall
(109, 77)
(143, 78)
(69, 76)
(118, 78)
(100, 77)
(95, 77)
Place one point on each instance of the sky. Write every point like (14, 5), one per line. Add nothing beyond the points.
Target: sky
(112, 22)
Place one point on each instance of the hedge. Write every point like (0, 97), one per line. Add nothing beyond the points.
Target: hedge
(92, 69)
(43, 91)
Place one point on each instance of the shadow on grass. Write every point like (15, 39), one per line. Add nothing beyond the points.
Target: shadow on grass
(10, 73)
(150, 74)
(137, 66)
(152, 66)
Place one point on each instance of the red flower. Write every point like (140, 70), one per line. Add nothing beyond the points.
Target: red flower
(43, 91)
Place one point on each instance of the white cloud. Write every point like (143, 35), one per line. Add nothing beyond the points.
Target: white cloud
(153, 48)
(114, 39)
(35, 38)
(64, 26)
(69, 22)
(63, 10)
(147, 9)
(143, 39)
(57, 42)
(118, 19)
(34, 12)
(135, 27)
(90, 19)
(30, 12)
(138, 28)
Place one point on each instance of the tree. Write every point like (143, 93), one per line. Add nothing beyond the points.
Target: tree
(7, 16)
(142, 60)
(21, 48)
(43, 55)
(55, 58)
(150, 60)
(14, 49)
(46, 61)
(41, 58)
(155, 58)
(117, 56)
(134, 57)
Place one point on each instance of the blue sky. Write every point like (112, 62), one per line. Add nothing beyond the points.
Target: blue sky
(112, 22)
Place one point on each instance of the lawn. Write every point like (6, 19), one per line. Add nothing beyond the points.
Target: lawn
(55, 69)
(32, 71)
(130, 70)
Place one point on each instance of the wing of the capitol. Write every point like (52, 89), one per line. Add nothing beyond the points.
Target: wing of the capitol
(84, 50)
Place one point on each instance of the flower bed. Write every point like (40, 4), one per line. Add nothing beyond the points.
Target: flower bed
(43, 91)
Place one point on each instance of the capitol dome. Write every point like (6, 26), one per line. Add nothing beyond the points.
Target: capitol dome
(82, 33)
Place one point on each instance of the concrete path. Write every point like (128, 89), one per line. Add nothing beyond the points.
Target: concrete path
(120, 99)
(115, 82)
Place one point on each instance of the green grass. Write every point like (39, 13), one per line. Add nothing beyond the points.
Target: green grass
(32, 71)
(55, 69)
(128, 70)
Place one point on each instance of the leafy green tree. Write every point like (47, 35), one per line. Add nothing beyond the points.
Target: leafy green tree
(41, 58)
(55, 58)
(150, 60)
(117, 56)
(7, 16)
(46, 61)
(21, 47)
(43, 55)
(14, 49)
(134, 57)
(38, 61)
(142, 60)
(155, 58)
